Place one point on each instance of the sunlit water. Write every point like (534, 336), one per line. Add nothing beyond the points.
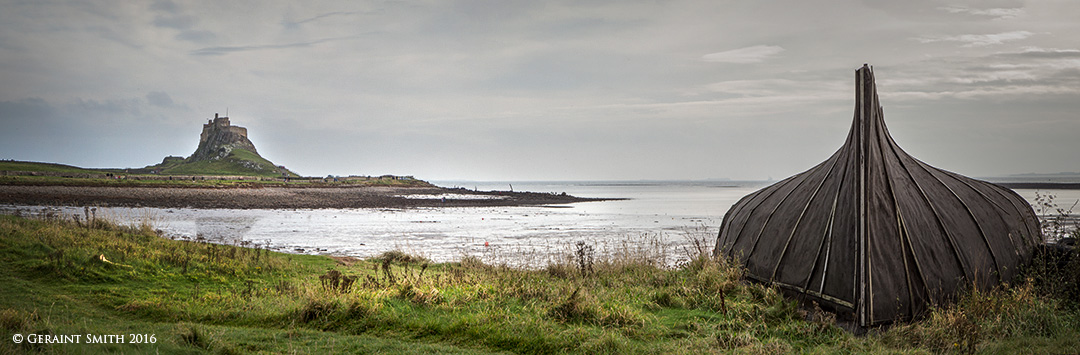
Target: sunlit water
(661, 216)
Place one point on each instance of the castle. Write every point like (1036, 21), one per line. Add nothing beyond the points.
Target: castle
(220, 124)
(219, 137)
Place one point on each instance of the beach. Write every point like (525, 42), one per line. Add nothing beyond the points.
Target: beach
(274, 197)
(365, 221)
(493, 225)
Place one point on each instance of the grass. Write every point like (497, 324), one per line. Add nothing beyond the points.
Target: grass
(11, 165)
(137, 182)
(132, 182)
(231, 167)
(237, 162)
(207, 298)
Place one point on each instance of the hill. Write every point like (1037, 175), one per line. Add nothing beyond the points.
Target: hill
(223, 149)
(29, 166)
(232, 162)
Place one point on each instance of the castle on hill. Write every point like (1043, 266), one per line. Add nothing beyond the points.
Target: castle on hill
(220, 123)
(219, 133)
(224, 150)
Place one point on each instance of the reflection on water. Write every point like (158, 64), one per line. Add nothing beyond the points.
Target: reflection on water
(657, 215)
(223, 228)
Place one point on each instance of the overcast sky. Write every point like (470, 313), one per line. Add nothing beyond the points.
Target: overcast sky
(541, 90)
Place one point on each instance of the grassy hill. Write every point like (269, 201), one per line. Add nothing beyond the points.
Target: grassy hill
(12, 165)
(219, 173)
(238, 162)
(94, 277)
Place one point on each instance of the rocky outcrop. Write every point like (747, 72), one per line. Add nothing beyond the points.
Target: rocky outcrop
(219, 138)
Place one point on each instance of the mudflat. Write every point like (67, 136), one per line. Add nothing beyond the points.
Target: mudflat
(274, 197)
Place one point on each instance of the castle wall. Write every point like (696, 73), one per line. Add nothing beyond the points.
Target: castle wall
(220, 124)
(237, 130)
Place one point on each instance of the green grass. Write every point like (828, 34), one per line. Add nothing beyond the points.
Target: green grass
(136, 182)
(205, 298)
(8, 165)
(238, 162)
(131, 182)
(231, 166)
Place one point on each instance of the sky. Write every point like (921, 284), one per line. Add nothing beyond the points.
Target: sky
(541, 90)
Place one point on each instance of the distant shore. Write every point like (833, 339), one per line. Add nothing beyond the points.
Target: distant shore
(1041, 185)
(275, 197)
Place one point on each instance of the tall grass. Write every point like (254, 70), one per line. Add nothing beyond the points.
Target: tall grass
(645, 296)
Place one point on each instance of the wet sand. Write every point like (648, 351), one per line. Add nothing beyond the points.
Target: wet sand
(273, 197)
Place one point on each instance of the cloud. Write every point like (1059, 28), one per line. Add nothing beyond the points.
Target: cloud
(165, 5)
(971, 40)
(1044, 53)
(180, 22)
(995, 93)
(777, 87)
(113, 108)
(230, 49)
(158, 98)
(25, 109)
(171, 17)
(996, 13)
(1029, 75)
(755, 54)
(90, 132)
(195, 36)
(453, 76)
(293, 24)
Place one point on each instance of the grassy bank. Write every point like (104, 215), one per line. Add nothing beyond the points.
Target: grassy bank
(94, 277)
(222, 173)
(135, 181)
(12, 165)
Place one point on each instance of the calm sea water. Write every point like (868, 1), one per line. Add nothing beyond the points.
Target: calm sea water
(668, 214)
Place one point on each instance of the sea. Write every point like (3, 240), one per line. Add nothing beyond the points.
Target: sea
(668, 220)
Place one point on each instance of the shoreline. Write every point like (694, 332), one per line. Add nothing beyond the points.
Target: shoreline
(275, 197)
(1041, 185)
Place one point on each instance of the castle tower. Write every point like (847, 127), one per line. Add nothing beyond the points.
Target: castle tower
(218, 136)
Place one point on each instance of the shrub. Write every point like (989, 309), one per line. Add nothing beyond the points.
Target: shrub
(579, 308)
(981, 315)
(14, 321)
(316, 309)
(398, 256)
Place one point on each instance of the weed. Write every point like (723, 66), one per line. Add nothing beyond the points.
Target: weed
(1056, 222)
(667, 299)
(191, 335)
(981, 315)
(315, 309)
(732, 340)
(398, 256)
(580, 307)
(334, 281)
(584, 256)
(12, 320)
